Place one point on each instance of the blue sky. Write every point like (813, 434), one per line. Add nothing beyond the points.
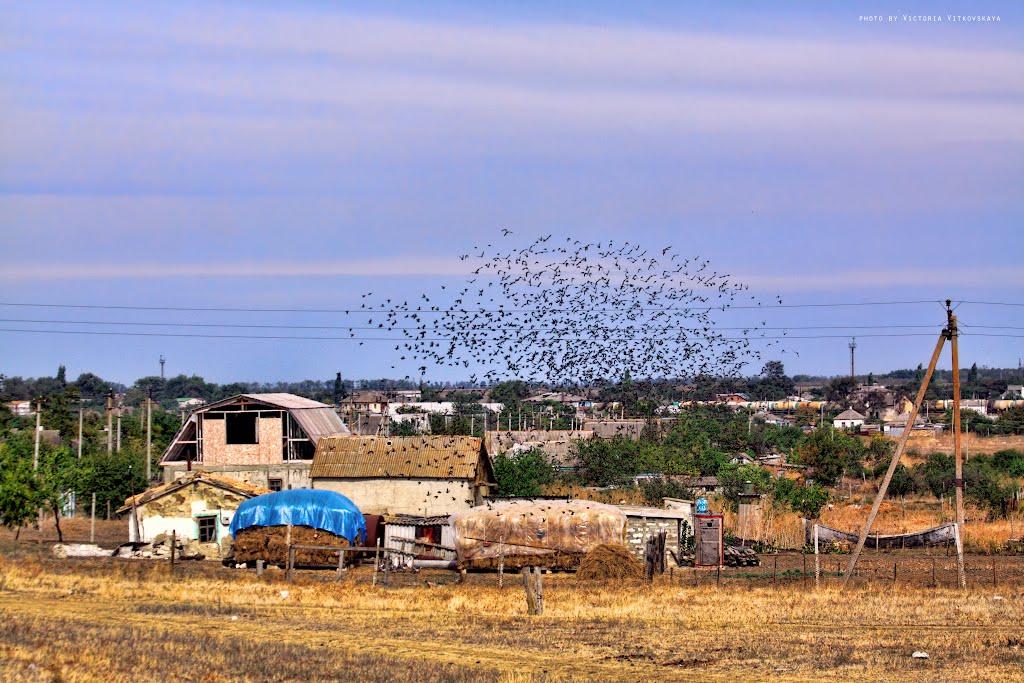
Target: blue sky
(297, 155)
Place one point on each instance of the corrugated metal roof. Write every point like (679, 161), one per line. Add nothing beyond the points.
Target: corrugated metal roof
(319, 422)
(415, 457)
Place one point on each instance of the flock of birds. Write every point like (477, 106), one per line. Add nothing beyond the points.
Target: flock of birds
(573, 313)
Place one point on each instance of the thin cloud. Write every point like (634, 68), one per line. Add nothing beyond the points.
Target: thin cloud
(397, 267)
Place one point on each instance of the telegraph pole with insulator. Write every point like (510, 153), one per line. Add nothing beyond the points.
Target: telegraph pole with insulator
(853, 346)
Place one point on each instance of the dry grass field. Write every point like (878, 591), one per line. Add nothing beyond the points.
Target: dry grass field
(121, 620)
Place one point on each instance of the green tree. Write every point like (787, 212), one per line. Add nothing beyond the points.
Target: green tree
(773, 385)
(608, 462)
(523, 474)
(840, 390)
(19, 494)
(510, 392)
(826, 452)
(734, 478)
(808, 500)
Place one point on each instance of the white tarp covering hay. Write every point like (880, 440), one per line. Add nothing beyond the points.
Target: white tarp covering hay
(540, 534)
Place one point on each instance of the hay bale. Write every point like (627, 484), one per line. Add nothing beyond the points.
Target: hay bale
(610, 562)
(269, 543)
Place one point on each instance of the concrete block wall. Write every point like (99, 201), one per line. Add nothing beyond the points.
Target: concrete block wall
(639, 529)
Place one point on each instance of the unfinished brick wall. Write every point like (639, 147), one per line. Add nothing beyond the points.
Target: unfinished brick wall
(216, 451)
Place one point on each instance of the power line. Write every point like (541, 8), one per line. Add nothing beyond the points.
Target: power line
(438, 311)
(414, 329)
(456, 337)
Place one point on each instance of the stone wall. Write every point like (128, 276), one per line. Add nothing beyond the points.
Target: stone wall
(639, 529)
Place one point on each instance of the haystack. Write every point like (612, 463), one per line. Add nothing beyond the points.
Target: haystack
(318, 518)
(539, 534)
(270, 544)
(609, 562)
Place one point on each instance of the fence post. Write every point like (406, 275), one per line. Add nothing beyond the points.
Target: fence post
(376, 563)
(803, 569)
(817, 559)
(935, 583)
(718, 578)
(538, 589)
(531, 598)
(259, 567)
(291, 563)
(92, 521)
(174, 543)
(341, 562)
(894, 573)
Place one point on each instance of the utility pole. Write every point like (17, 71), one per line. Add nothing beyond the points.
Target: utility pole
(950, 333)
(149, 436)
(958, 482)
(162, 361)
(80, 413)
(853, 347)
(39, 433)
(120, 408)
(110, 422)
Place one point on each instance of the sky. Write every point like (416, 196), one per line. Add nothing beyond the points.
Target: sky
(296, 155)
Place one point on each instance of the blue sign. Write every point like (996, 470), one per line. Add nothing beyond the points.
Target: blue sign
(702, 505)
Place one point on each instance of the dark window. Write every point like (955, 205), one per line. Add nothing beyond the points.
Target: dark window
(274, 484)
(207, 529)
(241, 428)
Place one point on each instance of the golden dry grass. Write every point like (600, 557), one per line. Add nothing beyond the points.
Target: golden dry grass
(135, 621)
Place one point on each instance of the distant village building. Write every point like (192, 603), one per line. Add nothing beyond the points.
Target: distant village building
(848, 419)
(425, 476)
(262, 439)
(197, 508)
(557, 445)
(20, 408)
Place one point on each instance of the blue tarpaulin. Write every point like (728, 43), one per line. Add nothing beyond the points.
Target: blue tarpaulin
(325, 510)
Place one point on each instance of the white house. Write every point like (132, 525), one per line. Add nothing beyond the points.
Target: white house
(197, 507)
(848, 419)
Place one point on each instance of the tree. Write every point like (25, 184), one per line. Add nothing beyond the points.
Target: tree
(19, 495)
(734, 478)
(62, 376)
(807, 500)
(902, 483)
(972, 374)
(510, 392)
(523, 474)
(774, 385)
(840, 390)
(826, 452)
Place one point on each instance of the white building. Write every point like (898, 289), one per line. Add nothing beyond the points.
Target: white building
(848, 419)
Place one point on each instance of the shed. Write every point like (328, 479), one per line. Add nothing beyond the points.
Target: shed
(425, 476)
(198, 507)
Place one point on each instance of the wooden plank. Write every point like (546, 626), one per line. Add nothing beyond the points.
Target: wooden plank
(880, 496)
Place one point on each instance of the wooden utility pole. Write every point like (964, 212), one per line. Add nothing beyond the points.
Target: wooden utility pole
(895, 460)
(120, 408)
(110, 422)
(39, 434)
(958, 482)
(80, 413)
(149, 436)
